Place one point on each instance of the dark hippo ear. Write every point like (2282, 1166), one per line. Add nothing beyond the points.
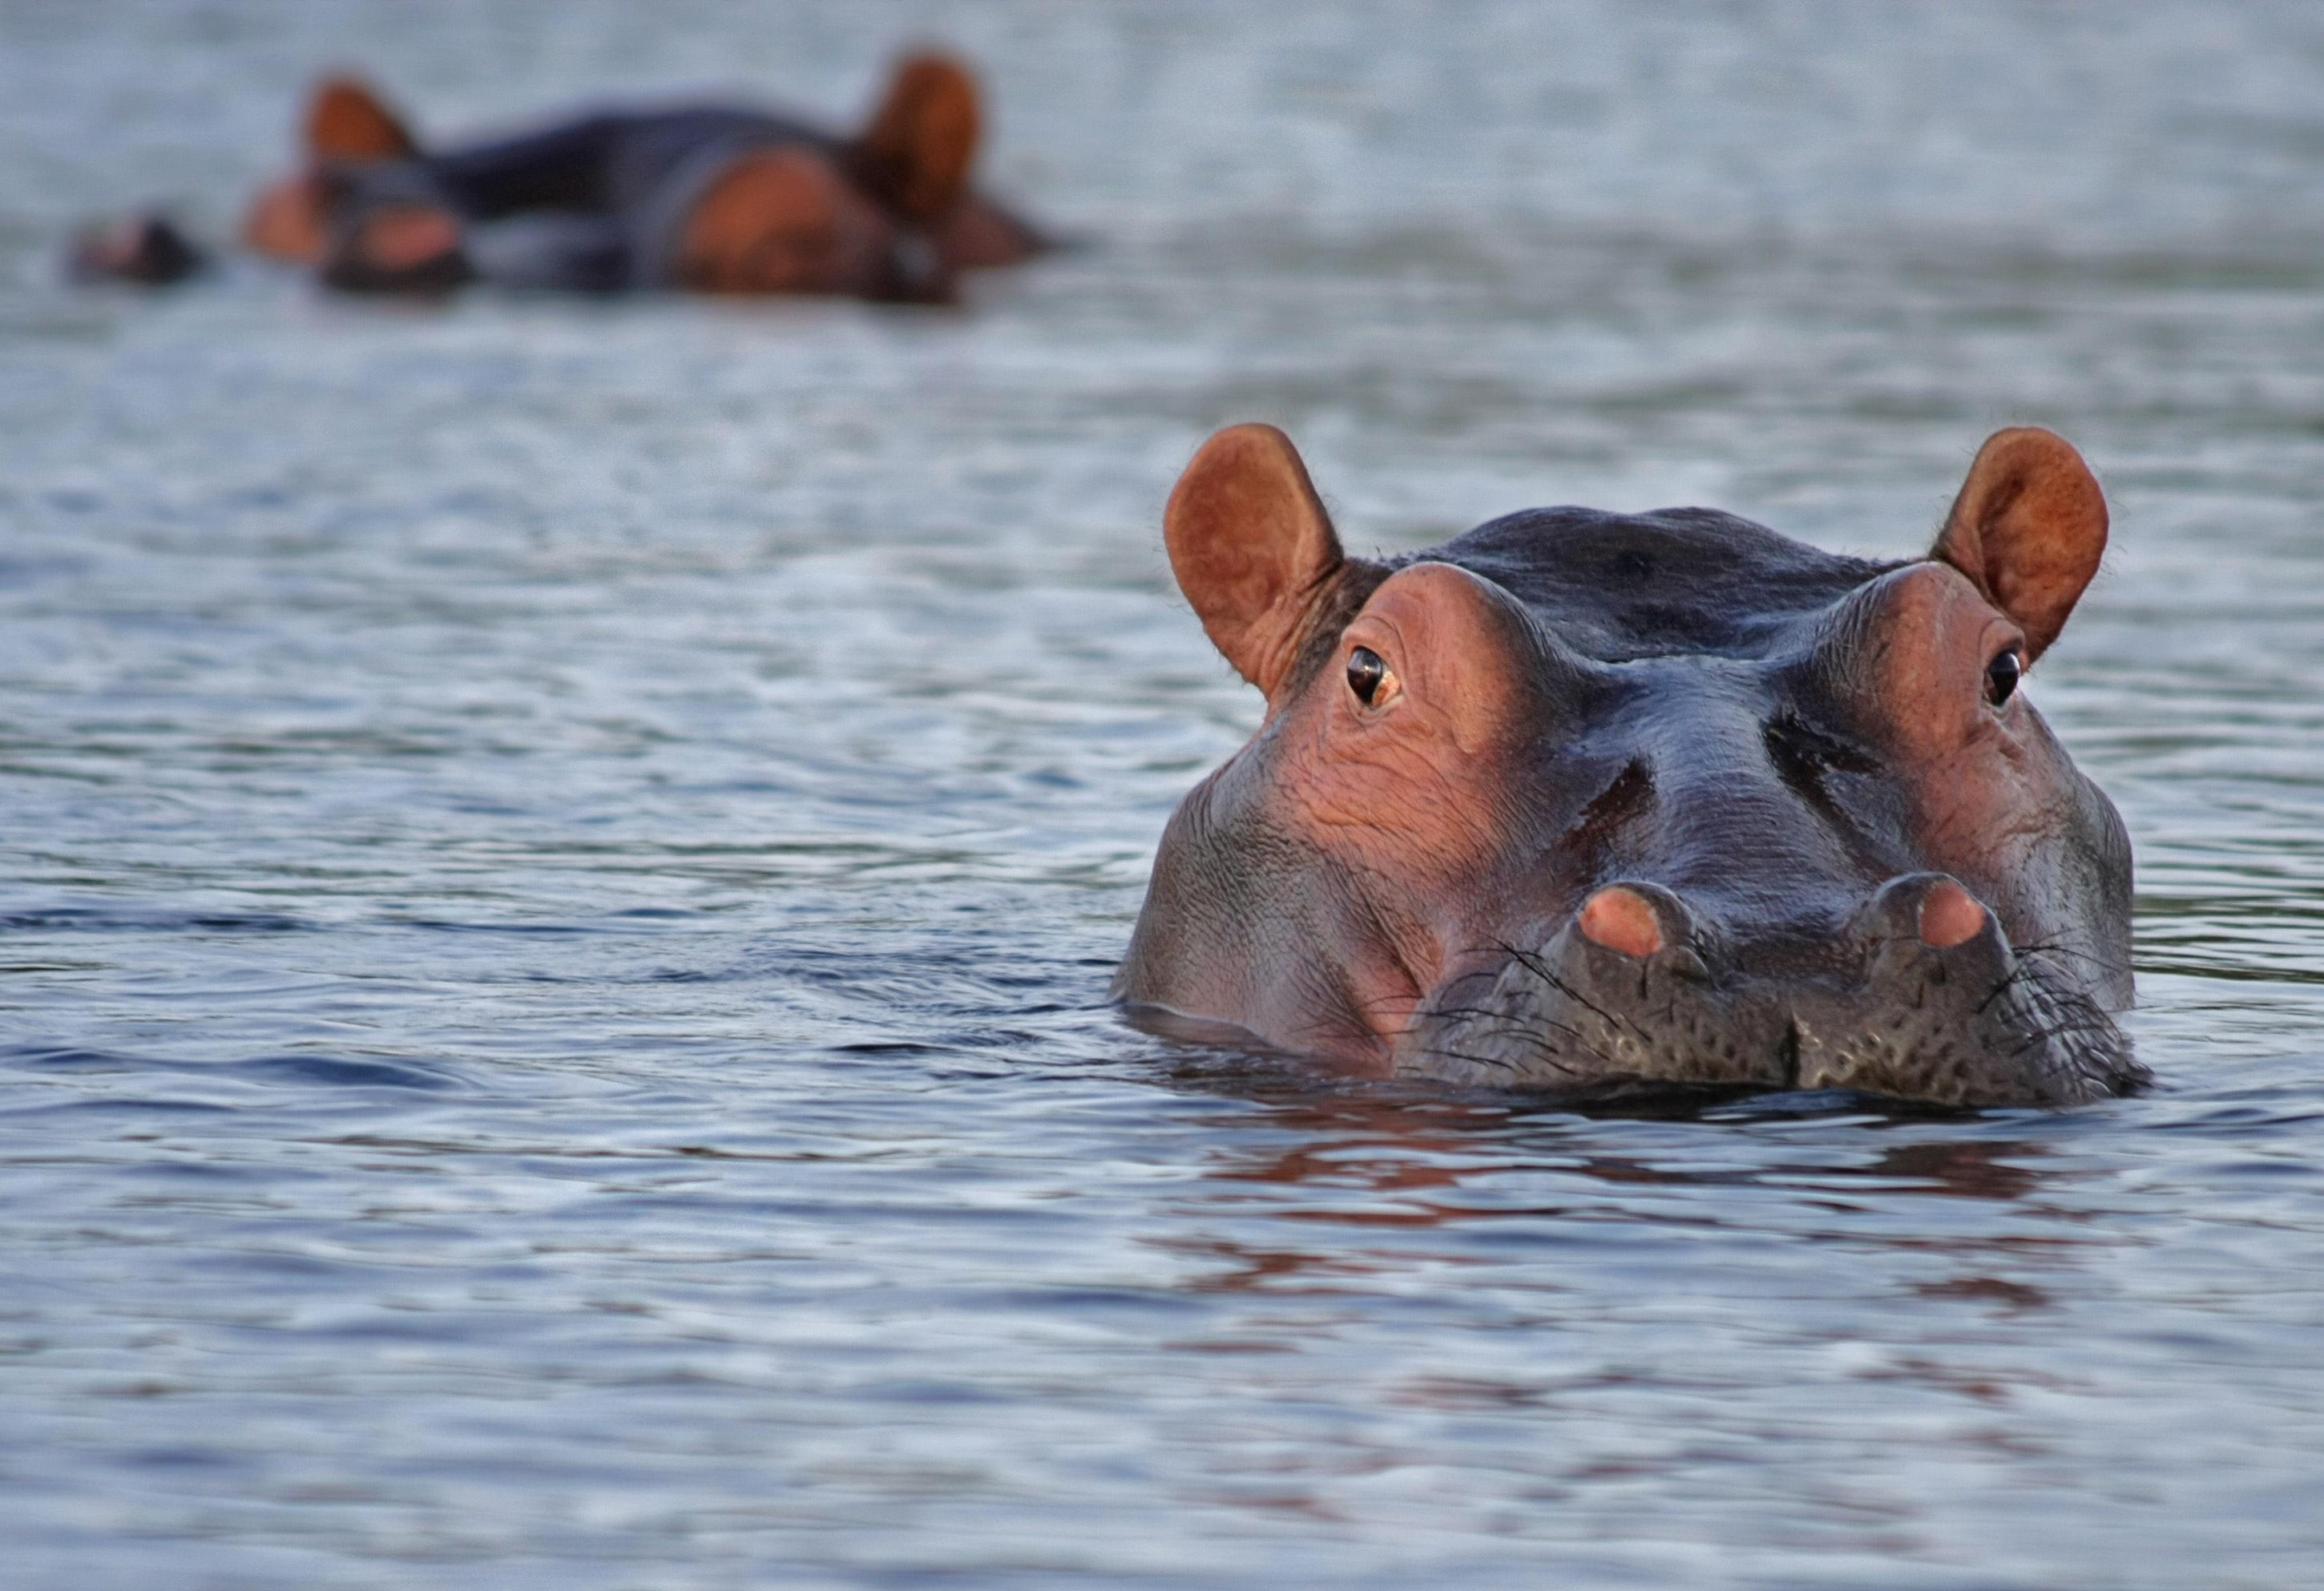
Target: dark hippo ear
(1252, 548)
(915, 153)
(2029, 527)
(348, 121)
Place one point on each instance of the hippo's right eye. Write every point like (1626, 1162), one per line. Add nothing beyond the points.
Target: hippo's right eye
(1368, 672)
(2001, 677)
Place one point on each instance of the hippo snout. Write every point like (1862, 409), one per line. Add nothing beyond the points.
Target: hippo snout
(1916, 994)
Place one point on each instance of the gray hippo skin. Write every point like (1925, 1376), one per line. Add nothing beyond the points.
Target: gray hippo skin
(1586, 801)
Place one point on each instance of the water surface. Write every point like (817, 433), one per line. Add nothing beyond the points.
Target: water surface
(560, 862)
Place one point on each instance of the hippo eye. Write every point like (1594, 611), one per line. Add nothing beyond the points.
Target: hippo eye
(1365, 673)
(2001, 677)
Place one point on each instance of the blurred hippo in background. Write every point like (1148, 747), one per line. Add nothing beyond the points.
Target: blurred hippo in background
(699, 197)
(151, 250)
(1589, 802)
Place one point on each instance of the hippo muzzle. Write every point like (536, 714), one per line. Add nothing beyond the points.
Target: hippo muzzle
(1919, 996)
(1582, 801)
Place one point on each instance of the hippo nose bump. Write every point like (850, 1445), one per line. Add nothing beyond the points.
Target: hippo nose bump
(1641, 921)
(1949, 915)
(1621, 919)
(1929, 910)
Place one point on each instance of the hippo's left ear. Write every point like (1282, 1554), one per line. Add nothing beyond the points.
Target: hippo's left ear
(348, 122)
(1252, 549)
(2029, 528)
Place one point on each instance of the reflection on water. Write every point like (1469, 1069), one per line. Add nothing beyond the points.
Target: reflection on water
(562, 861)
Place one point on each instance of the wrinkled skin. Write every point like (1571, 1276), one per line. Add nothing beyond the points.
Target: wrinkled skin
(1585, 801)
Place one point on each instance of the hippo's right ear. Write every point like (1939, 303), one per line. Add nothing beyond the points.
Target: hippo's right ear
(2029, 528)
(1252, 549)
(915, 153)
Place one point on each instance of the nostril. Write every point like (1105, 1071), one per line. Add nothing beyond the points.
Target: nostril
(1621, 919)
(1949, 916)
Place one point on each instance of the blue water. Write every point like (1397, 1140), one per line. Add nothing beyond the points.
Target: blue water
(560, 862)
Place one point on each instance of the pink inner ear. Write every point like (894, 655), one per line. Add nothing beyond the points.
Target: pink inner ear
(2028, 529)
(1251, 547)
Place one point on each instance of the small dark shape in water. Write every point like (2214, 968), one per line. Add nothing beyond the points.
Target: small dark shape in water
(1582, 801)
(146, 249)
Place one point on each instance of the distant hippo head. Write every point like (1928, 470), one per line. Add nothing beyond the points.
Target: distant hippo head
(146, 249)
(1583, 801)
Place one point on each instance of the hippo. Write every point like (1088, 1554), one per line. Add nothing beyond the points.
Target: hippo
(708, 197)
(1599, 803)
(150, 250)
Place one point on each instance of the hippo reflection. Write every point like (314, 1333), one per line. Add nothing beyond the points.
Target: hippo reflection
(1580, 800)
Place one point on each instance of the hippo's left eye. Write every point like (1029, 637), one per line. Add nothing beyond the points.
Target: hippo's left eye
(1370, 677)
(2001, 676)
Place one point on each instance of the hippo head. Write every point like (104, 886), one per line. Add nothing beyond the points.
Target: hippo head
(1587, 802)
(147, 249)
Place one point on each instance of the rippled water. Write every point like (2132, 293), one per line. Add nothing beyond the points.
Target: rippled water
(558, 864)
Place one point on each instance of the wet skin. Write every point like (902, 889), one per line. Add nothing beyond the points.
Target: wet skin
(1584, 801)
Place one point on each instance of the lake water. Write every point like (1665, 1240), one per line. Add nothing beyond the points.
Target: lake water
(559, 862)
